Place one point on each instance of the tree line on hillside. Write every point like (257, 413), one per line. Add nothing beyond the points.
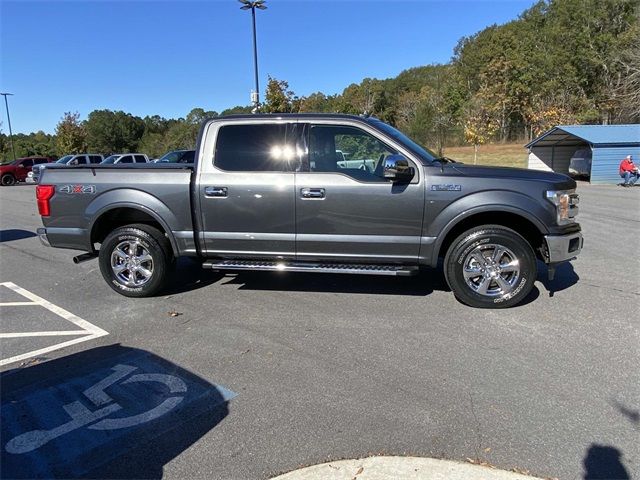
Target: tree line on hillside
(560, 62)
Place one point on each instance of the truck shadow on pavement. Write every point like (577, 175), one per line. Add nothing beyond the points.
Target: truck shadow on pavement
(190, 276)
(108, 412)
(565, 277)
(15, 234)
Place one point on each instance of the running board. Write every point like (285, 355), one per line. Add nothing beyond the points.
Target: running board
(394, 270)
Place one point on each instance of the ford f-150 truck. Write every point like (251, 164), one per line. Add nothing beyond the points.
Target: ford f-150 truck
(270, 192)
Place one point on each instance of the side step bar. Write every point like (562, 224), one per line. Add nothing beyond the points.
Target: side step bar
(394, 270)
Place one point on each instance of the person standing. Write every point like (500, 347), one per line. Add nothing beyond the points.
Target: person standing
(629, 171)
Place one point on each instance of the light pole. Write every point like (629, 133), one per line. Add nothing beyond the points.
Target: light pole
(6, 104)
(252, 5)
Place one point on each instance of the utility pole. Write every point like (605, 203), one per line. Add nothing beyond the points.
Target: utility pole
(252, 5)
(6, 104)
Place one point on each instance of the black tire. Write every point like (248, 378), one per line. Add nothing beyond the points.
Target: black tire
(486, 281)
(7, 180)
(135, 260)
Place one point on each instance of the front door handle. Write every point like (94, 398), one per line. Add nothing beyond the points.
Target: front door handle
(215, 191)
(312, 192)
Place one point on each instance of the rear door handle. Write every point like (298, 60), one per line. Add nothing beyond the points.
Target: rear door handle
(312, 192)
(215, 191)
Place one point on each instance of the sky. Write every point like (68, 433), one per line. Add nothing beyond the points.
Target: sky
(167, 57)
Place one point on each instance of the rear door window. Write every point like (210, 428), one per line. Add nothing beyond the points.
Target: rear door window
(95, 158)
(140, 159)
(253, 148)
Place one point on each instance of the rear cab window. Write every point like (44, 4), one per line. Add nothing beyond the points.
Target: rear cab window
(254, 148)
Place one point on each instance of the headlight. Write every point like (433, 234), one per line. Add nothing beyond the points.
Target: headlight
(566, 202)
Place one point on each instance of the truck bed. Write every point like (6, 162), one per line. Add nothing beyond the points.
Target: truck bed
(86, 193)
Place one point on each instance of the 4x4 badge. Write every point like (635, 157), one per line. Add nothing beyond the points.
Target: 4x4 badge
(71, 189)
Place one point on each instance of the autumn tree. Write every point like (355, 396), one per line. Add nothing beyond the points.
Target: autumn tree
(278, 97)
(70, 134)
(479, 124)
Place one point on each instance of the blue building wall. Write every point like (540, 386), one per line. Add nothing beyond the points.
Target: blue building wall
(606, 160)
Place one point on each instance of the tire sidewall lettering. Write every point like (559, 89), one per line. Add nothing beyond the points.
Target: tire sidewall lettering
(512, 294)
(466, 251)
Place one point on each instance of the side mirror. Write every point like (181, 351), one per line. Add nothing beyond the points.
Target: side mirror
(397, 169)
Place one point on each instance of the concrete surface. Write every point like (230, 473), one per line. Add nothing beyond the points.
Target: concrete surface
(400, 468)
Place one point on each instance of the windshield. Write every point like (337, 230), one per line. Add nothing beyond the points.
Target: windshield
(65, 159)
(419, 150)
(111, 159)
(171, 157)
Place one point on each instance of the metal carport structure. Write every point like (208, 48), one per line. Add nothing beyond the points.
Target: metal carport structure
(609, 144)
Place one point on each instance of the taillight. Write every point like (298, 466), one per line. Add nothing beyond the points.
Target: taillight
(43, 195)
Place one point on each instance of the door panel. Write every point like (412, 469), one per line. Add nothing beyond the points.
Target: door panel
(255, 218)
(345, 209)
(355, 221)
(247, 197)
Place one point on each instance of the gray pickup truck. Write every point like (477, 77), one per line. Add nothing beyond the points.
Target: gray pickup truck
(270, 192)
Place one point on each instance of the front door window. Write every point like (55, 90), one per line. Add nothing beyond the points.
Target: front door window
(347, 150)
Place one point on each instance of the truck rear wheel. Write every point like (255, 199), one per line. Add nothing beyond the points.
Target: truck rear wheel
(490, 267)
(135, 260)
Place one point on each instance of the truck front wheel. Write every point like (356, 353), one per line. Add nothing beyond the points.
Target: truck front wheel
(135, 259)
(490, 266)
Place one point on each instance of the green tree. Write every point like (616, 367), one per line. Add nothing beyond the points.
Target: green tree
(113, 132)
(70, 134)
(237, 110)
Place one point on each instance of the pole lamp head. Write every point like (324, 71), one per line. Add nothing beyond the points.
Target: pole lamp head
(251, 4)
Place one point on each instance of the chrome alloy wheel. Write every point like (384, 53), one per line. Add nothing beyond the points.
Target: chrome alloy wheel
(131, 263)
(491, 270)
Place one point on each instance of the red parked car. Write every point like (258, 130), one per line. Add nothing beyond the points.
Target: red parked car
(17, 171)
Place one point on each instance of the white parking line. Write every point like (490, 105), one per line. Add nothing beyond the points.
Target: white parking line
(59, 333)
(88, 332)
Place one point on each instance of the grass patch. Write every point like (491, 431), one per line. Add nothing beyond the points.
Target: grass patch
(502, 155)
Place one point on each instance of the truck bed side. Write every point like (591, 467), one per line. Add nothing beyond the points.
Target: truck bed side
(90, 201)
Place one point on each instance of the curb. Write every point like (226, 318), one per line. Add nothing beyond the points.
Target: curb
(405, 468)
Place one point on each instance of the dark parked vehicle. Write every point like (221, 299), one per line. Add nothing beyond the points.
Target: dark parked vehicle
(70, 160)
(177, 156)
(270, 192)
(17, 171)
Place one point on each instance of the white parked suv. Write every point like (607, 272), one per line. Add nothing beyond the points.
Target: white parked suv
(126, 158)
(71, 160)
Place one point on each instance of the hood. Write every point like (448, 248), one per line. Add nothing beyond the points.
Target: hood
(509, 173)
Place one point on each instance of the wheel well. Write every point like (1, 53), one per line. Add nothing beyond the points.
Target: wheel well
(506, 219)
(119, 217)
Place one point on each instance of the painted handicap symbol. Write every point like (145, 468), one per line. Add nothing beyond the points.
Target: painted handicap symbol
(82, 416)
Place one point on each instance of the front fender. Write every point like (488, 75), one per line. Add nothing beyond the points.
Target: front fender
(135, 199)
(483, 202)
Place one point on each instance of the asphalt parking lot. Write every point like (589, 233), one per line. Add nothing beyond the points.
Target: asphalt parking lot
(259, 374)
